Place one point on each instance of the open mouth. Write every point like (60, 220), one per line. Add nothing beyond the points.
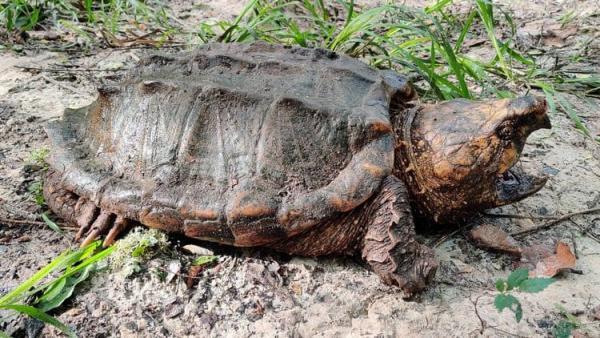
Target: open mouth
(515, 184)
(512, 182)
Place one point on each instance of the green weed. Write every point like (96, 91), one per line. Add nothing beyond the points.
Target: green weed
(429, 43)
(54, 283)
(137, 247)
(39, 156)
(36, 192)
(86, 18)
(51, 223)
(518, 280)
(204, 260)
(36, 188)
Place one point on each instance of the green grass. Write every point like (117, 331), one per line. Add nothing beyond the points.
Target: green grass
(427, 44)
(54, 283)
(36, 188)
(90, 18)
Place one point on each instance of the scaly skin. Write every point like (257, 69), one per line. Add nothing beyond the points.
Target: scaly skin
(319, 169)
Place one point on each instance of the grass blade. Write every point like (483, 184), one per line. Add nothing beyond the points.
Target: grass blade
(485, 10)
(21, 290)
(362, 22)
(51, 224)
(40, 315)
(570, 110)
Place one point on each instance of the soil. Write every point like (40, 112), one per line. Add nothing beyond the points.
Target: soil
(261, 293)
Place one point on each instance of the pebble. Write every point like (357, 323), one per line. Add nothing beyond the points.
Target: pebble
(197, 250)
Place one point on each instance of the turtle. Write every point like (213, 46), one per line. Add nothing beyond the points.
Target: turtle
(305, 151)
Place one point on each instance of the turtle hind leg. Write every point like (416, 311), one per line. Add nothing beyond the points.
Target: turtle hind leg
(389, 244)
(92, 221)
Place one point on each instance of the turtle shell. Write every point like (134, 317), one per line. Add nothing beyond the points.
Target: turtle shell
(236, 143)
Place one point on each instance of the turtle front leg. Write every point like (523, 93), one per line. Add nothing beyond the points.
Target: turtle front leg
(93, 222)
(389, 244)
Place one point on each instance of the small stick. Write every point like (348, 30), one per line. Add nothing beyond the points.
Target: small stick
(17, 221)
(483, 322)
(445, 237)
(66, 70)
(553, 222)
(25, 222)
(75, 91)
(574, 244)
(586, 231)
(519, 216)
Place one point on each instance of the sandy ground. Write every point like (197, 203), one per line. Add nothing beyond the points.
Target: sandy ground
(260, 293)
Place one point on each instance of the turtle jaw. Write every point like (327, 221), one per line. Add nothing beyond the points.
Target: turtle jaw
(513, 183)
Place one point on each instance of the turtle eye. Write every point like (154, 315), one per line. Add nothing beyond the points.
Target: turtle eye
(505, 130)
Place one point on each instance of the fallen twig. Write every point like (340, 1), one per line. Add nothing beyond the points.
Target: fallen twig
(445, 237)
(25, 222)
(483, 322)
(519, 216)
(66, 70)
(586, 231)
(17, 221)
(75, 91)
(553, 222)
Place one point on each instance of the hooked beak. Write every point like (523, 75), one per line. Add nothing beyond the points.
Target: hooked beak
(514, 184)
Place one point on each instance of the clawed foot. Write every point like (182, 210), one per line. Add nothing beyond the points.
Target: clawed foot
(390, 246)
(93, 222)
(412, 270)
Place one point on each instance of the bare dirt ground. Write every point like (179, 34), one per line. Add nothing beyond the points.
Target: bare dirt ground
(259, 293)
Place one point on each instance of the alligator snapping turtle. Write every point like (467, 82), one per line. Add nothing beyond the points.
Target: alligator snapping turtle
(301, 150)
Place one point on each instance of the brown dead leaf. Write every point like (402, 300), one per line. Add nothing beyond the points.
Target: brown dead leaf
(553, 264)
(556, 35)
(192, 275)
(488, 236)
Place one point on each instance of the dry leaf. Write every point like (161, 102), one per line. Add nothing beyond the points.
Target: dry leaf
(488, 236)
(552, 265)
(192, 275)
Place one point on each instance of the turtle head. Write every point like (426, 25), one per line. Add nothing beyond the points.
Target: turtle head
(463, 154)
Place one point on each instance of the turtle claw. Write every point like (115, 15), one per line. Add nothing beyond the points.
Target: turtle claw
(100, 226)
(107, 224)
(87, 212)
(121, 224)
(92, 221)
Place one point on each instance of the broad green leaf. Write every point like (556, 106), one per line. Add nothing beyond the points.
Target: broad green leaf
(52, 291)
(501, 285)
(503, 301)
(562, 329)
(362, 22)
(40, 315)
(21, 291)
(4, 335)
(51, 301)
(202, 260)
(517, 277)
(534, 285)
(518, 310)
